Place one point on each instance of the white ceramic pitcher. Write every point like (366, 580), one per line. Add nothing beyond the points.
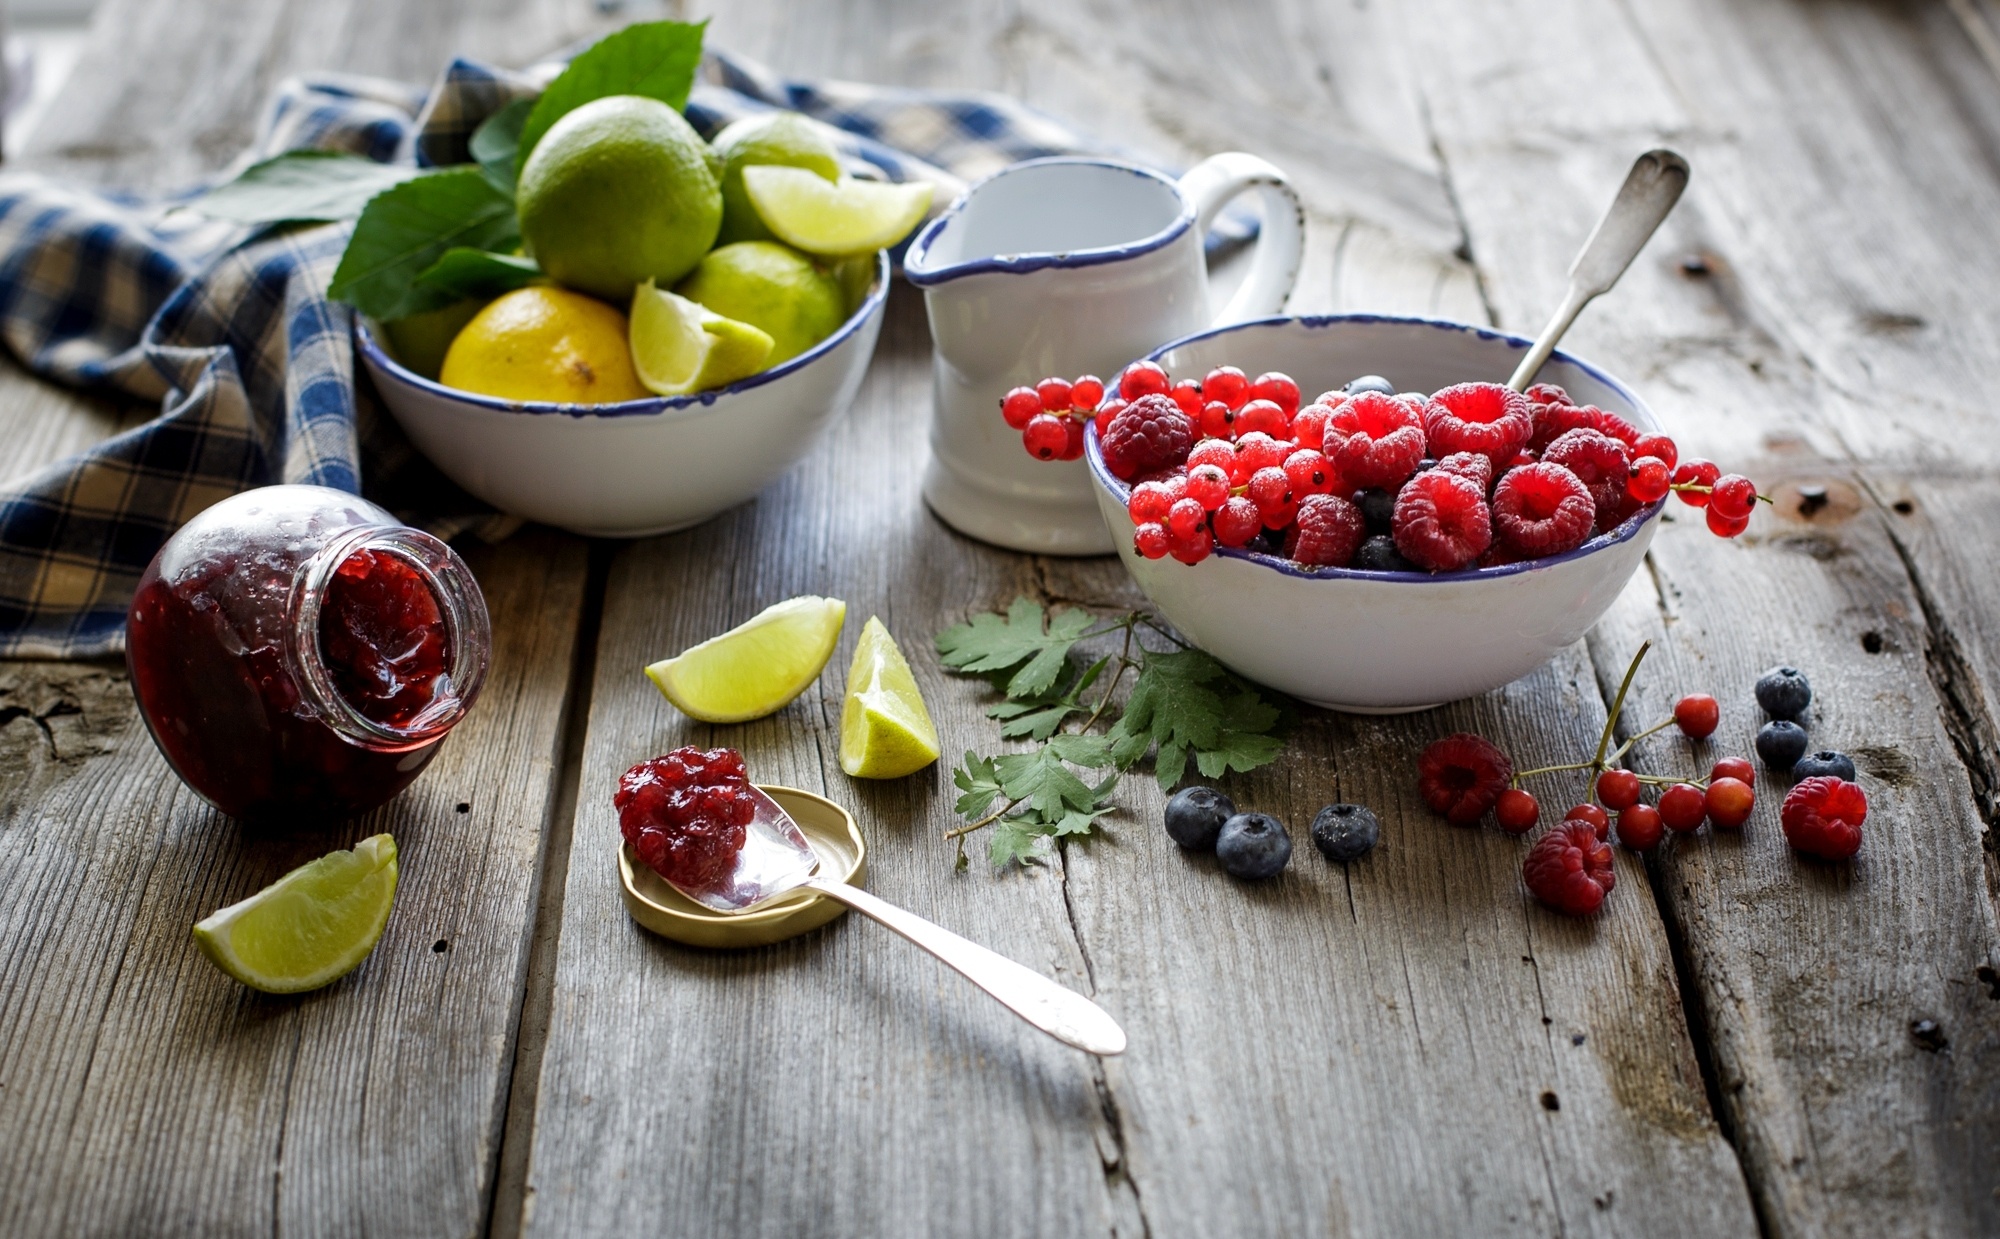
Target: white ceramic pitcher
(1066, 267)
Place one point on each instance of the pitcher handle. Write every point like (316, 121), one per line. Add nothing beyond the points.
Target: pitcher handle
(1281, 243)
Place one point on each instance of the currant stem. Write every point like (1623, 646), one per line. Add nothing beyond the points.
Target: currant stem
(1618, 704)
(1619, 754)
(1575, 765)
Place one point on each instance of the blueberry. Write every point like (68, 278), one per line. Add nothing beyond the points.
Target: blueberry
(1828, 763)
(1783, 692)
(1253, 845)
(1345, 832)
(1377, 507)
(1780, 744)
(1379, 554)
(1371, 382)
(1195, 816)
(1272, 541)
(1426, 465)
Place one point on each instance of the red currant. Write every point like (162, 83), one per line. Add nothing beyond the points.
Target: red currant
(1218, 452)
(1227, 384)
(1309, 473)
(1732, 495)
(1729, 802)
(1192, 549)
(1208, 486)
(1105, 413)
(1658, 446)
(1649, 479)
(1150, 540)
(1046, 437)
(1270, 490)
(1517, 811)
(1142, 378)
(1264, 416)
(1697, 715)
(1696, 472)
(1738, 768)
(1684, 807)
(1086, 392)
(1726, 526)
(1260, 451)
(1599, 820)
(1618, 789)
(1054, 395)
(1072, 440)
(1639, 827)
(1019, 405)
(1278, 389)
(1185, 516)
(1309, 426)
(1187, 394)
(1237, 521)
(1176, 484)
(1149, 502)
(1217, 421)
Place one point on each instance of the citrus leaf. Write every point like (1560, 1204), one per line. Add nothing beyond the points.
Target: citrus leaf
(407, 228)
(301, 187)
(495, 142)
(466, 272)
(654, 59)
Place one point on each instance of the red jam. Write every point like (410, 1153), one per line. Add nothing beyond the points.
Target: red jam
(299, 654)
(686, 814)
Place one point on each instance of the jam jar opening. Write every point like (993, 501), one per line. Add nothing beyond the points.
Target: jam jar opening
(389, 637)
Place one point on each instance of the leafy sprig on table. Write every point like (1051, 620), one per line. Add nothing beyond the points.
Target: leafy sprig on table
(1182, 705)
(425, 238)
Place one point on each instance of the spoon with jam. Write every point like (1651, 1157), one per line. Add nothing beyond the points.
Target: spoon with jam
(694, 817)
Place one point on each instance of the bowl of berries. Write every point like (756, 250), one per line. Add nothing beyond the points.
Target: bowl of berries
(1416, 534)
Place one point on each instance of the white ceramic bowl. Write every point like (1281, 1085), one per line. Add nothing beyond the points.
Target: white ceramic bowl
(1382, 642)
(641, 467)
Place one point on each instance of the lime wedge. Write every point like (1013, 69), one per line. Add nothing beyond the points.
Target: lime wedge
(834, 218)
(680, 347)
(757, 667)
(885, 732)
(309, 928)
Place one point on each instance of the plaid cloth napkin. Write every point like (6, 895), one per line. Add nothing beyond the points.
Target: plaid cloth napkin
(230, 329)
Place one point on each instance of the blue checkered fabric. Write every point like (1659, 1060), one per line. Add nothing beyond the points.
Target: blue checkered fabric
(230, 331)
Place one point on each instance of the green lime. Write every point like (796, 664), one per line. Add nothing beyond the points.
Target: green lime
(757, 667)
(783, 138)
(421, 340)
(885, 731)
(309, 928)
(771, 287)
(835, 218)
(619, 190)
(680, 347)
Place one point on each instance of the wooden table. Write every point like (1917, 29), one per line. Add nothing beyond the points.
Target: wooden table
(1408, 1047)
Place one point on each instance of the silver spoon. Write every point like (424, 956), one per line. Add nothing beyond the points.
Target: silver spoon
(1650, 190)
(777, 859)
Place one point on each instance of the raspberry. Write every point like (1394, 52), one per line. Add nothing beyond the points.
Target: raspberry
(1738, 768)
(1726, 526)
(1054, 395)
(1046, 438)
(1192, 549)
(1150, 433)
(1462, 776)
(1569, 869)
(1648, 480)
(1516, 811)
(1208, 486)
(1086, 393)
(1543, 509)
(1822, 817)
(1478, 417)
(1441, 522)
(1325, 532)
(1618, 790)
(1142, 378)
(1697, 715)
(1309, 473)
(1729, 801)
(1278, 389)
(1265, 416)
(1660, 447)
(1695, 472)
(1547, 393)
(1227, 384)
(1150, 540)
(1612, 426)
(1019, 405)
(1684, 808)
(1639, 827)
(1471, 466)
(1187, 394)
(1373, 441)
(1309, 425)
(1258, 450)
(1149, 502)
(685, 813)
(1599, 820)
(1237, 521)
(1601, 462)
(1733, 496)
(1552, 421)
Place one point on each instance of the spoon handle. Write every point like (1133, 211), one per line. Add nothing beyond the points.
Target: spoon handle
(1060, 1012)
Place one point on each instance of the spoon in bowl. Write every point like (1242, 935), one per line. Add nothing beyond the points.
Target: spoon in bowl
(1650, 190)
(776, 859)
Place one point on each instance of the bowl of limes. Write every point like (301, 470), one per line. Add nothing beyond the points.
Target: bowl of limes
(684, 319)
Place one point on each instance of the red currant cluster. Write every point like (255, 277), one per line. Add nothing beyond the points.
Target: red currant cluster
(1463, 776)
(1471, 476)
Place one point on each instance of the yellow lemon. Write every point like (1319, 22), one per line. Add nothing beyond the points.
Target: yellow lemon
(885, 731)
(545, 344)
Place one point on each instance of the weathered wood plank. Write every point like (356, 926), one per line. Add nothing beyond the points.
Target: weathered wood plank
(1776, 349)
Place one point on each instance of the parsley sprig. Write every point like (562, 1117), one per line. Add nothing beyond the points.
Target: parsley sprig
(1182, 705)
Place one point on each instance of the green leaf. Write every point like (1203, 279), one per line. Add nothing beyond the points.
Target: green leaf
(407, 228)
(301, 186)
(1190, 705)
(1043, 783)
(980, 783)
(1040, 717)
(495, 142)
(1093, 752)
(1016, 839)
(466, 272)
(654, 59)
(997, 643)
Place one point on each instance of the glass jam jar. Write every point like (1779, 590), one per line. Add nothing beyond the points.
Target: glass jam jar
(300, 654)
